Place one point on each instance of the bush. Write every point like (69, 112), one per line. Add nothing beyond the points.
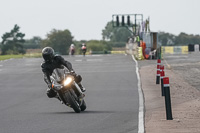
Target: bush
(117, 44)
(95, 45)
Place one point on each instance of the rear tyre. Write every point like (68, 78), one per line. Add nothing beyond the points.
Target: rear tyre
(74, 104)
(72, 53)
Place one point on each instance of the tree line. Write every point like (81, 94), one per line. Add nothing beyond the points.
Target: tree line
(167, 39)
(13, 42)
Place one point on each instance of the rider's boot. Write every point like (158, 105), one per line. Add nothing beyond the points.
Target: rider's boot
(59, 98)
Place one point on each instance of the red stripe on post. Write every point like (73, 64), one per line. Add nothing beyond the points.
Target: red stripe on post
(158, 71)
(162, 74)
(166, 81)
(162, 67)
(158, 63)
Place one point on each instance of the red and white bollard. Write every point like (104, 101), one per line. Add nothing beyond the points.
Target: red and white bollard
(162, 75)
(158, 71)
(167, 98)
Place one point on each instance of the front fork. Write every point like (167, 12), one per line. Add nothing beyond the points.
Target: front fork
(78, 88)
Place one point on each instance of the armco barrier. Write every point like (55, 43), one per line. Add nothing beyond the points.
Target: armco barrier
(107, 52)
(184, 49)
(117, 52)
(168, 50)
(175, 49)
(178, 49)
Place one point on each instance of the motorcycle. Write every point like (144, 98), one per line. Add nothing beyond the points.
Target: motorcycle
(68, 91)
(84, 50)
(72, 51)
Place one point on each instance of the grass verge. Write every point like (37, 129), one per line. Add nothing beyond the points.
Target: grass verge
(5, 57)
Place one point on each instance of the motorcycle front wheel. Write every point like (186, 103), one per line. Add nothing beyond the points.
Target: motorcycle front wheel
(72, 101)
(83, 106)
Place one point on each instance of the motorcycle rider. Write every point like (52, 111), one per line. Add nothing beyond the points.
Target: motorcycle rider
(72, 49)
(84, 49)
(52, 62)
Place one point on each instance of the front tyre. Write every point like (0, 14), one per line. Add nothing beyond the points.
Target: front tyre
(74, 104)
(83, 106)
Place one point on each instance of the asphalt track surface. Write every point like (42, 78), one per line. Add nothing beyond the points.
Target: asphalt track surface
(111, 97)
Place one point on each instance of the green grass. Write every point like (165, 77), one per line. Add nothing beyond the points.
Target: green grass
(5, 57)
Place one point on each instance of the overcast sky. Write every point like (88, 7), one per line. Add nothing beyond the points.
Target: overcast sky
(86, 18)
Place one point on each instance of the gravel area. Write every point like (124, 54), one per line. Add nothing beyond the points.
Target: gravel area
(184, 75)
(190, 72)
(186, 66)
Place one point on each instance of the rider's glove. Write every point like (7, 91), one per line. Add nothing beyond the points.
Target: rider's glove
(73, 72)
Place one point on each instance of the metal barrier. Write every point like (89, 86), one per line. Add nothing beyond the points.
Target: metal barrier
(175, 49)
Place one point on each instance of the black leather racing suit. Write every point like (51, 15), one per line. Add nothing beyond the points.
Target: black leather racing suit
(47, 69)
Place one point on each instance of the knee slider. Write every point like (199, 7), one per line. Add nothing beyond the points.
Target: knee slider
(51, 93)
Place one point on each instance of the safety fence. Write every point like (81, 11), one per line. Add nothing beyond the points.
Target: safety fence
(175, 49)
(106, 52)
(133, 49)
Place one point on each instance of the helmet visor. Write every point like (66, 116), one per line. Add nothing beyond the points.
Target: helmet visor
(47, 57)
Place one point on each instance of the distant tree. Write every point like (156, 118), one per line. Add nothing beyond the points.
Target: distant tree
(117, 44)
(166, 39)
(107, 33)
(33, 43)
(59, 40)
(118, 34)
(95, 45)
(12, 42)
(186, 39)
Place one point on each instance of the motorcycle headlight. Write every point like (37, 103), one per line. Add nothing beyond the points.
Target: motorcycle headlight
(68, 81)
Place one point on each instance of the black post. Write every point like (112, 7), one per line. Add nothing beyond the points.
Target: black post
(162, 74)
(162, 87)
(157, 79)
(167, 99)
(158, 72)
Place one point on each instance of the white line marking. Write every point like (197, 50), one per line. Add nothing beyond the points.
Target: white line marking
(78, 60)
(91, 60)
(95, 60)
(174, 56)
(141, 101)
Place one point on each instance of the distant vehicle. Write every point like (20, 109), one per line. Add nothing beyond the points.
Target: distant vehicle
(84, 49)
(72, 49)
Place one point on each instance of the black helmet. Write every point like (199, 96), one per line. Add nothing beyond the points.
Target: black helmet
(48, 53)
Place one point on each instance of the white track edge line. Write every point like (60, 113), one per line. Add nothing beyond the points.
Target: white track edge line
(141, 101)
